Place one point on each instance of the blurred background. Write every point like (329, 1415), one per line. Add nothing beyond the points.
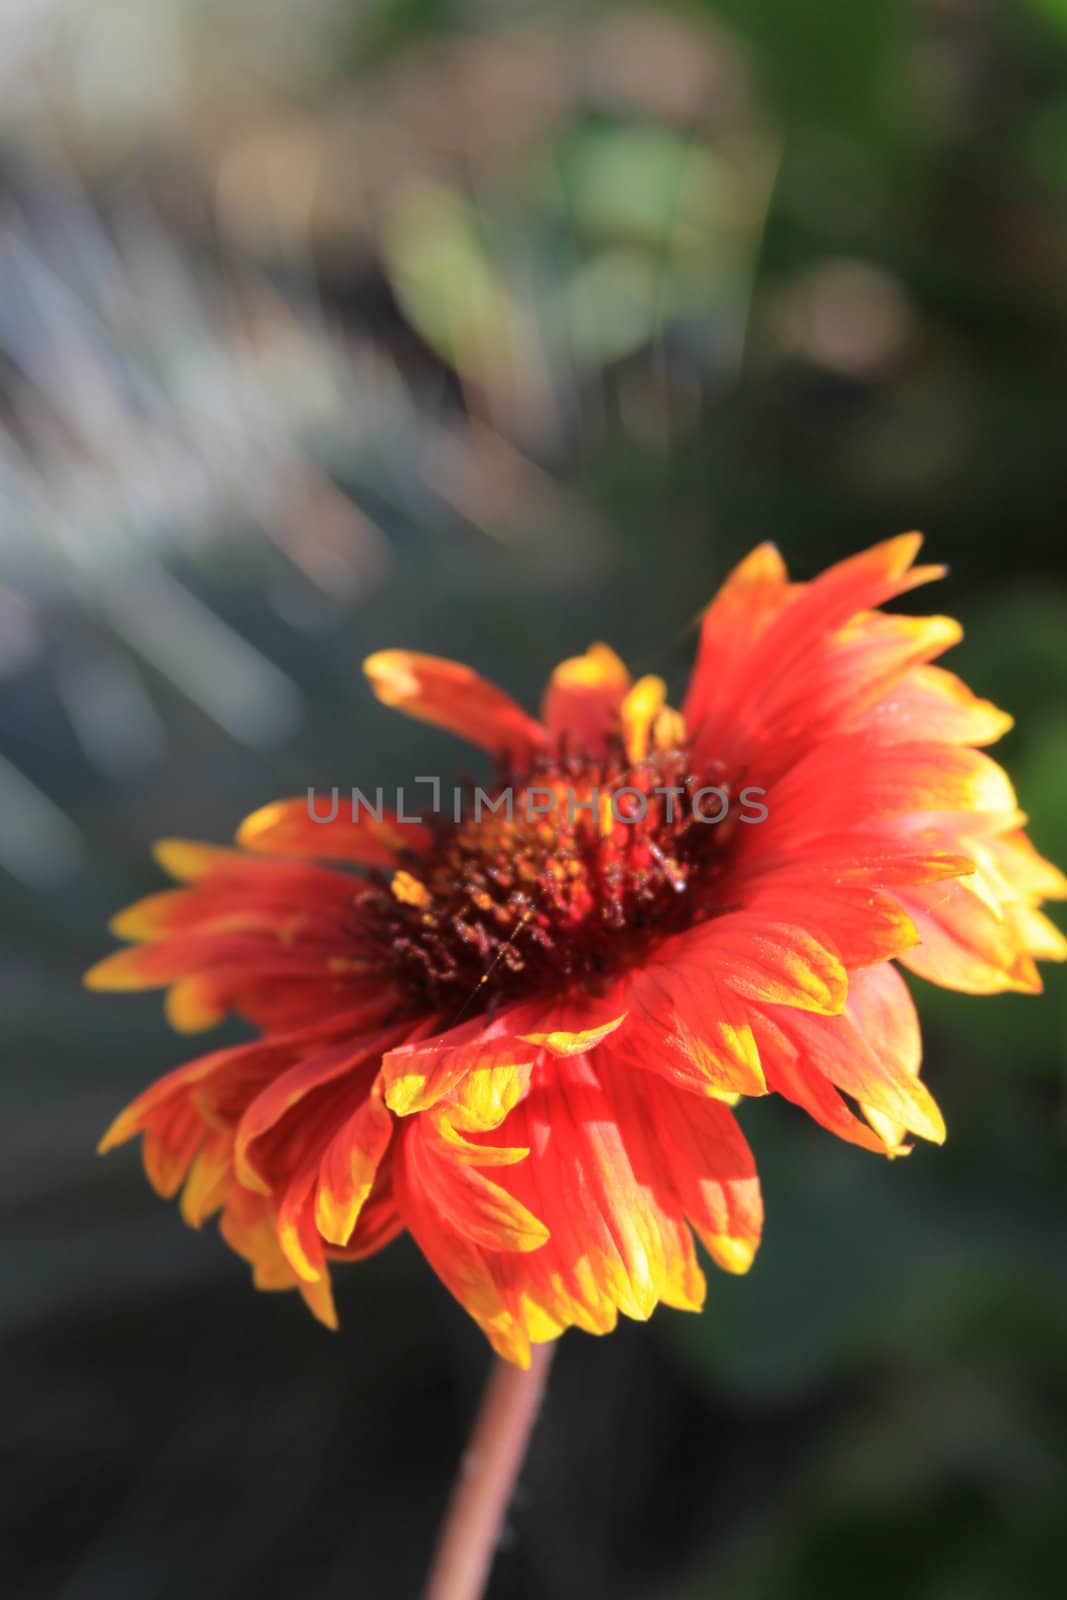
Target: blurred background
(489, 329)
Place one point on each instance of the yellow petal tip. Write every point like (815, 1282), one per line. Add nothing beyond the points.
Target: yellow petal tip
(390, 676)
(732, 1255)
(258, 823)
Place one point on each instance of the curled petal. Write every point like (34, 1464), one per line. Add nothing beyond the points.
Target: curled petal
(638, 715)
(584, 697)
(277, 1100)
(249, 1227)
(208, 1180)
(350, 1165)
(178, 1088)
(300, 1240)
(379, 1220)
(792, 1072)
(169, 1146)
(467, 1271)
(483, 1212)
(418, 1074)
(835, 1047)
(195, 1004)
(882, 1011)
(451, 696)
(482, 1100)
(559, 1042)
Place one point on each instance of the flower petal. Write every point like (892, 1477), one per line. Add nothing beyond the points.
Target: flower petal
(560, 1042)
(418, 1074)
(583, 699)
(689, 1027)
(208, 1181)
(859, 777)
(763, 959)
(354, 1059)
(835, 1047)
(859, 925)
(373, 837)
(481, 1211)
(481, 1101)
(713, 1172)
(466, 1270)
(615, 1242)
(882, 1009)
(751, 597)
(638, 714)
(350, 1165)
(451, 696)
(930, 703)
(791, 1072)
(964, 944)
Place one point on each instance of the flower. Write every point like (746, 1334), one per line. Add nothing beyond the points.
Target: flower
(521, 1037)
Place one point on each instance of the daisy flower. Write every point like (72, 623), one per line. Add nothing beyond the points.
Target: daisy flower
(519, 1032)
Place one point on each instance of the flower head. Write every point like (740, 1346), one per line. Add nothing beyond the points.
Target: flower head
(519, 1033)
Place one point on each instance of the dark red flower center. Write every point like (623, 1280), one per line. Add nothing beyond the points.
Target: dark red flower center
(565, 877)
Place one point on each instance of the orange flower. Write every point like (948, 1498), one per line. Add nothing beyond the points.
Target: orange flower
(520, 1038)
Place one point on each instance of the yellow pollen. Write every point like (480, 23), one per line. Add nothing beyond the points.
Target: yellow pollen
(409, 891)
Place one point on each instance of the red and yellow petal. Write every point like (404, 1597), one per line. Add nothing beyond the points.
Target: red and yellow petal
(965, 944)
(553, 1155)
(772, 961)
(882, 1010)
(249, 1226)
(794, 626)
(837, 1049)
(793, 1074)
(584, 698)
(208, 1180)
(617, 1238)
(449, 695)
(367, 835)
(688, 1026)
(752, 596)
(931, 703)
(258, 1129)
(350, 1165)
(568, 1042)
(417, 1074)
(707, 1161)
(614, 1187)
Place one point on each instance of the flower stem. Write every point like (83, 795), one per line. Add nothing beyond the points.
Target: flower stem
(486, 1478)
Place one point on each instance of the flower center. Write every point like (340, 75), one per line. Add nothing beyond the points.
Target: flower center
(565, 877)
